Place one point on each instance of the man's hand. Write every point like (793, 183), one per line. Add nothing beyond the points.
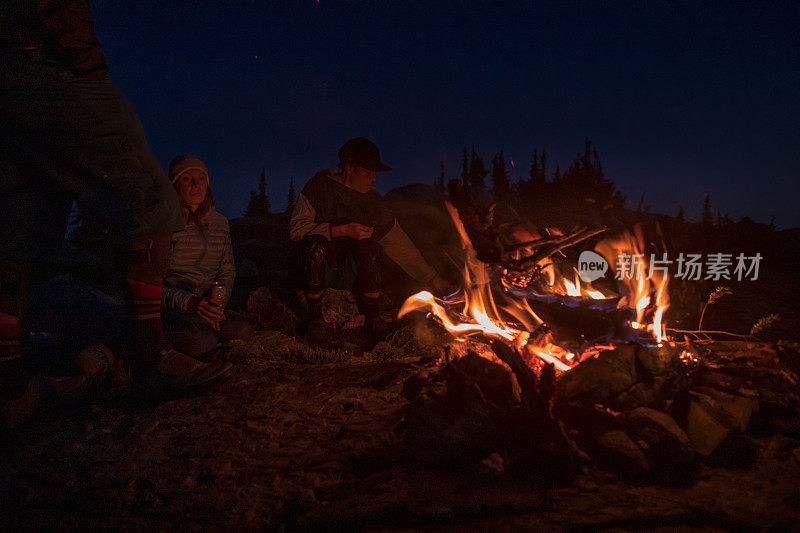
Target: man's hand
(210, 312)
(353, 230)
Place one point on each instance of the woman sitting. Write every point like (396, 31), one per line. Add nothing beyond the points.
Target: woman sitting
(200, 257)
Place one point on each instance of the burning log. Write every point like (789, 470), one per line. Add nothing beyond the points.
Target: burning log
(525, 377)
(545, 248)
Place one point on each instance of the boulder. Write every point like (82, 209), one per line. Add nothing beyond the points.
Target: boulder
(672, 459)
(268, 312)
(627, 377)
(708, 424)
(617, 451)
(339, 308)
(496, 383)
(599, 380)
(742, 408)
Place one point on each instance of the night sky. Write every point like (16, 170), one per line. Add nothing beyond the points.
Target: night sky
(679, 99)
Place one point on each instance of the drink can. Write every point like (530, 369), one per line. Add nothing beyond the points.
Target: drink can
(217, 294)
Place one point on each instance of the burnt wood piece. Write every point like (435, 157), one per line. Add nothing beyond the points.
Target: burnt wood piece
(528, 383)
(486, 234)
(549, 433)
(547, 247)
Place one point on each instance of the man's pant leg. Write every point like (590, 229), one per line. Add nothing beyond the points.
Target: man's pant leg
(366, 253)
(87, 139)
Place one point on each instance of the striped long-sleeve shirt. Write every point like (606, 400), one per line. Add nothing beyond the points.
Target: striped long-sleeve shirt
(326, 202)
(197, 259)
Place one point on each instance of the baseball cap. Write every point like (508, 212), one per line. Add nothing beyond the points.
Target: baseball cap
(363, 153)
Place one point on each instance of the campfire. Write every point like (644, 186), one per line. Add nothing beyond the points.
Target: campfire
(553, 372)
(546, 316)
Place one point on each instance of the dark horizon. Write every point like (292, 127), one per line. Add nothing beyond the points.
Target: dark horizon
(679, 99)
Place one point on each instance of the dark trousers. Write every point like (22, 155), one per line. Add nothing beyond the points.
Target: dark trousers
(341, 263)
(65, 139)
(192, 335)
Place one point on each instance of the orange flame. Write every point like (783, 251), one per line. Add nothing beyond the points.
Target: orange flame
(478, 313)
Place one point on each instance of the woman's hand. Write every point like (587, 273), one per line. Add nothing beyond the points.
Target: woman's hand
(210, 312)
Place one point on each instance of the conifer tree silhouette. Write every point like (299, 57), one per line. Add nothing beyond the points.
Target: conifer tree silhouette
(438, 182)
(477, 172)
(501, 188)
(291, 197)
(258, 206)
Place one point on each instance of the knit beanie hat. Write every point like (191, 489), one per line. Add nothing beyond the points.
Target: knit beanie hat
(183, 163)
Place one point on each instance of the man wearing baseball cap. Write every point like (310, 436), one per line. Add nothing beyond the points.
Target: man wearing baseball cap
(342, 224)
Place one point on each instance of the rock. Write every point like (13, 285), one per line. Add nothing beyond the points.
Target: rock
(655, 427)
(497, 384)
(740, 407)
(339, 307)
(708, 424)
(667, 447)
(627, 377)
(268, 312)
(620, 453)
(599, 380)
(660, 378)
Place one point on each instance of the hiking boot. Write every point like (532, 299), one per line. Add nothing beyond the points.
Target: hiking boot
(15, 412)
(40, 394)
(95, 361)
(176, 374)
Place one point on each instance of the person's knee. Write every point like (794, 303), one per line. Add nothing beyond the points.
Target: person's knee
(188, 335)
(148, 258)
(236, 327)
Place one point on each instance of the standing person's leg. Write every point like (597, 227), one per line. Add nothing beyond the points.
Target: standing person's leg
(33, 220)
(86, 137)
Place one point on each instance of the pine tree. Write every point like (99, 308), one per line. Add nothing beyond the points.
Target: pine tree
(465, 169)
(501, 187)
(708, 212)
(538, 172)
(291, 199)
(585, 177)
(477, 172)
(258, 206)
(438, 182)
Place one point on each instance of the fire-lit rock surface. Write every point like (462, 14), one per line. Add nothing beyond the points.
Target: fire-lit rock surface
(308, 438)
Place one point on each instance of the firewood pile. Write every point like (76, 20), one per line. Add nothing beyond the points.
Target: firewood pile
(647, 414)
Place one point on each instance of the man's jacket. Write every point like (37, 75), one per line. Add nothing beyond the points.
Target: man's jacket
(325, 202)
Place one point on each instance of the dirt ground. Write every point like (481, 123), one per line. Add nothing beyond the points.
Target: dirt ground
(294, 444)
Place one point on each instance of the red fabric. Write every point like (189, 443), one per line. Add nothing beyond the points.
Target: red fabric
(9, 327)
(141, 290)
